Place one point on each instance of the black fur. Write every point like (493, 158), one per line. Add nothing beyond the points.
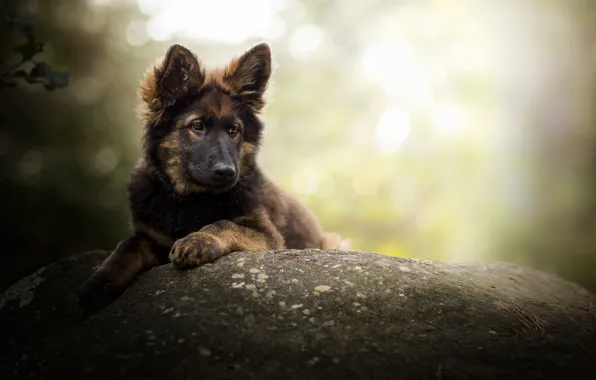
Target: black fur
(154, 202)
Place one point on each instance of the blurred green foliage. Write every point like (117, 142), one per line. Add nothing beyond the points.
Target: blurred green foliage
(440, 130)
(40, 72)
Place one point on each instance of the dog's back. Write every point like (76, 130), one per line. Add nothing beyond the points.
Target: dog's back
(297, 224)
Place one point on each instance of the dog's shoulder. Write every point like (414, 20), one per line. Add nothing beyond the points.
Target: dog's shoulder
(143, 183)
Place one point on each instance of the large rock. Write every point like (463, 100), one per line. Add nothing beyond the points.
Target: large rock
(303, 315)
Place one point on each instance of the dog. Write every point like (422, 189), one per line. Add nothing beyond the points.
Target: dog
(197, 193)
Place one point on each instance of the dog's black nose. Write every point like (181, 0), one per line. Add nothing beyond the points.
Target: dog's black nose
(224, 170)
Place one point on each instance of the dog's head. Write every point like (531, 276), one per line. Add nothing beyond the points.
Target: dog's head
(202, 129)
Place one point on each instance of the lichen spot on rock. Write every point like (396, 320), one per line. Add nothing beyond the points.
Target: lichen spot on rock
(22, 290)
(404, 269)
(322, 288)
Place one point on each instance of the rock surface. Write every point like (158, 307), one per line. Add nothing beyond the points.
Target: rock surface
(303, 315)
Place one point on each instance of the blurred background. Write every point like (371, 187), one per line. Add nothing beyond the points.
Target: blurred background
(445, 130)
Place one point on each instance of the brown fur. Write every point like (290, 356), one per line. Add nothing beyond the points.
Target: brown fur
(153, 105)
(178, 213)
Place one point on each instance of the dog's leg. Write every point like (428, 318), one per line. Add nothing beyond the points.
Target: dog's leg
(249, 233)
(131, 256)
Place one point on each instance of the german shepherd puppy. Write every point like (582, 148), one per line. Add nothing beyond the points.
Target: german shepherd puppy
(197, 193)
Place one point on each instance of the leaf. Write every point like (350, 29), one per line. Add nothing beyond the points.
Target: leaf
(32, 79)
(28, 31)
(28, 50)
(57, 79)
(41, 69)
(42, 72)
(25, 28)
(20, 73)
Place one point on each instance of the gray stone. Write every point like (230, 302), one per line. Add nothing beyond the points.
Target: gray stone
(303, 315)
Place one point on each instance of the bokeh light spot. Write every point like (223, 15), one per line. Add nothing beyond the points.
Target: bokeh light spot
(225, 21)
(448, 118)
(305, 40)
(305, 181)
(136, 33)
(31, 164)
(393, 128)
(106, 160)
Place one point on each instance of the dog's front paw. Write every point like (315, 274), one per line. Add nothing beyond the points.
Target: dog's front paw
(195, 249)
(98, 291)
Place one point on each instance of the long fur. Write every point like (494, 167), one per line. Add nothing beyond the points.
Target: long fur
(177, 219)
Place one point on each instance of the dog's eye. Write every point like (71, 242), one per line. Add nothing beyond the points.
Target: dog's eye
(197, 126)
(234, 129)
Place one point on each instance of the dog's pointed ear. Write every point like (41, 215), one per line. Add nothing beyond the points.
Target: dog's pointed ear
(249, 74)
(181, 74)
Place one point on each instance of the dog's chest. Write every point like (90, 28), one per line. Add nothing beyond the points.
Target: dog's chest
(178, 217)
(155, 205)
